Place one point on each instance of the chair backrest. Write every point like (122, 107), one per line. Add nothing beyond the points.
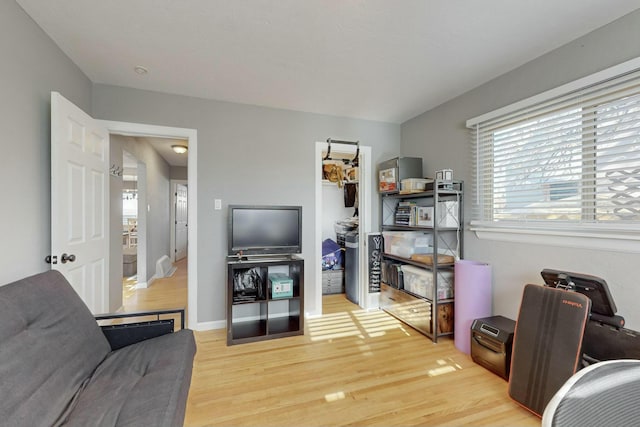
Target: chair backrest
(603, 394)
(50, 344)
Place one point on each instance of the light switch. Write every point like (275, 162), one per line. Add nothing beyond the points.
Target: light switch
(218, 204)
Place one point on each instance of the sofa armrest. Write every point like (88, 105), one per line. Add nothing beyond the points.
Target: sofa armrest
(123, 334)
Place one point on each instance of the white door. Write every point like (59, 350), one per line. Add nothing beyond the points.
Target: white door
(80, 202)
(181, 221)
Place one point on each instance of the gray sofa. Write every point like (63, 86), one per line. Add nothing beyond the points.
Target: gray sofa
(58, 369)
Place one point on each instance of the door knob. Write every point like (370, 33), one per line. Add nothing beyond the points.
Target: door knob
(64, 258)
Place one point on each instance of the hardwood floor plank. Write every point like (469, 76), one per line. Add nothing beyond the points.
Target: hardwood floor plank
(351, 368)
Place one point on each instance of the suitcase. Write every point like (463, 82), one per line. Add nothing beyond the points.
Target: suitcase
(547, 344)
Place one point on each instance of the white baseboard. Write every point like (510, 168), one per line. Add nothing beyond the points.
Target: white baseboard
(164, 267)
(208, 326)
(145, 285)
(141, 285)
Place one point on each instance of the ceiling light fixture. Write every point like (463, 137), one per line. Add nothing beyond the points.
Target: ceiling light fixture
(139, 69)
(180, 149)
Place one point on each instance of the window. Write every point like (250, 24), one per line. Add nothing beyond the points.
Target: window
(567, 157)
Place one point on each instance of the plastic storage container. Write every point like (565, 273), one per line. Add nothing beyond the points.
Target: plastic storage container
(420, 282)
(406, 243)
(332, 282)
(410, 185)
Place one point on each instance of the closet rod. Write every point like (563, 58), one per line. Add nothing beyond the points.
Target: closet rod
(337, 141)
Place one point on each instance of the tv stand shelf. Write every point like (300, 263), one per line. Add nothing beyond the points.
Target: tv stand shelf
(256, 308)
(262, 258)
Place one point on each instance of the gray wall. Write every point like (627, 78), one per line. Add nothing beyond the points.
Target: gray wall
(31, 67)
(246, 154)
(258, 155)
(440, 137)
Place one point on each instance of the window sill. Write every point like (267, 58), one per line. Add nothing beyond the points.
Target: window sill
(614, 237)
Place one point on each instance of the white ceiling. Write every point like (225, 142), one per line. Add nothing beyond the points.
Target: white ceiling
(382, 60)
(163, 147)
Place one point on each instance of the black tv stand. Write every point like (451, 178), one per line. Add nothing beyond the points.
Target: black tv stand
(264, 314)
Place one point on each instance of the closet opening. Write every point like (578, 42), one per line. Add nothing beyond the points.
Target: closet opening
(342, 221)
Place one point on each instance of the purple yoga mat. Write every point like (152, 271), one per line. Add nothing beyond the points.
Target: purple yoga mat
(472, 299)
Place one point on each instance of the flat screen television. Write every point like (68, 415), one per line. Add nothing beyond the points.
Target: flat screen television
(264, 230)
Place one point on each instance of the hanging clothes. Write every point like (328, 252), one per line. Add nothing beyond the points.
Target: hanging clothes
(351, 195)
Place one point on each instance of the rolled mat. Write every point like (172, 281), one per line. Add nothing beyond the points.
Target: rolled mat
(472, 299)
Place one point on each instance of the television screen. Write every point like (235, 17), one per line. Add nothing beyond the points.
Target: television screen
(265, 229)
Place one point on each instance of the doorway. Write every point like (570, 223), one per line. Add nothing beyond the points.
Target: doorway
(190, 135)
(148, 164)
(129, 221)
(365, 300)
(179, 219)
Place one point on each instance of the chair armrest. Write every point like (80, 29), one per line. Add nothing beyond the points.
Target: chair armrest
(157, 313)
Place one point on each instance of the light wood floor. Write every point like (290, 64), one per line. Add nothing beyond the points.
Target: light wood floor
(168, 292)
(350, 368)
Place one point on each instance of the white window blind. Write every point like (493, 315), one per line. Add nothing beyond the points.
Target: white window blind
(571, 158)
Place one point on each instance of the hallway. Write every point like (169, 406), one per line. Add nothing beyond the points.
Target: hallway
(164, 293)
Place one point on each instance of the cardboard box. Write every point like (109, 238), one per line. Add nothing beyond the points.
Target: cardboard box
(414, 185)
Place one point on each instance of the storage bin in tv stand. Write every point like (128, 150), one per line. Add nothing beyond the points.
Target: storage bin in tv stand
(267, 317)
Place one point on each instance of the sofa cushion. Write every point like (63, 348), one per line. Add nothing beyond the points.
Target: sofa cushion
(49, 345)
(144, 384)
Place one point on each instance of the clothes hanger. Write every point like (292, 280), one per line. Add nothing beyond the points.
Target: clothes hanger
(328, 156)
(354, 161)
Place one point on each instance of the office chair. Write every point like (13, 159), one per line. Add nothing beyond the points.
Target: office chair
(603, 394)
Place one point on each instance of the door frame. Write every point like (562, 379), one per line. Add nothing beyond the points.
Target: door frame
(144, 279)
(173, 185)
(139, 129)
(367, 301)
